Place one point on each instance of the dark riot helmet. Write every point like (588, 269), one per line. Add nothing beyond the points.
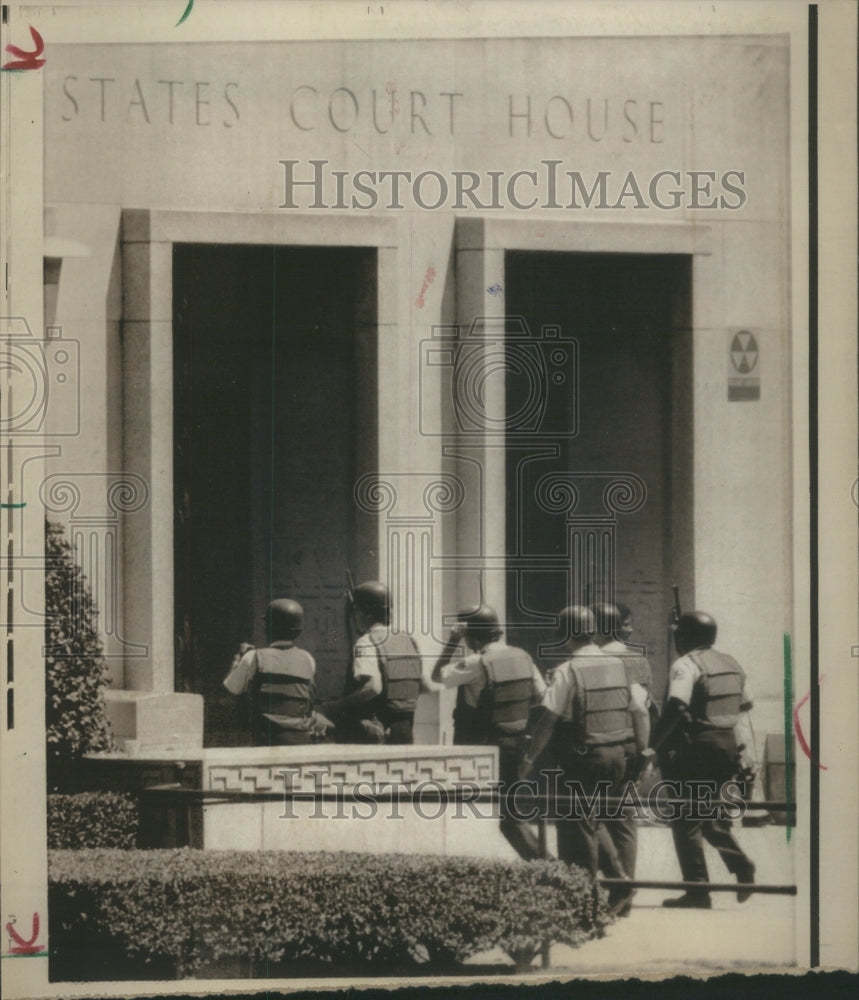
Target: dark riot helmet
(608, 619)
(373, 598)
(284, 619)
(576, 622)
(479, 618)
(695, 630)
(624, 610)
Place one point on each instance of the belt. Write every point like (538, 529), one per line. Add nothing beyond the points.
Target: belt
(586, 749)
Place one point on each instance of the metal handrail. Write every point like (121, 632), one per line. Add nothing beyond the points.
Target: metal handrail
(451, 795)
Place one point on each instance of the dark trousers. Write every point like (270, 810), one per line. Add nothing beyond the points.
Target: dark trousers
(271, 735)
(400, 730)
(579, 836)
(617, 841)
(711, 757)
(518, 834)
(393, 730)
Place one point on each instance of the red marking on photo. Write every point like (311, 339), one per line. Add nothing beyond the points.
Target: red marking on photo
(22, 947)
(800, 735)
(391, 91)
(429, 277)
(24, 59)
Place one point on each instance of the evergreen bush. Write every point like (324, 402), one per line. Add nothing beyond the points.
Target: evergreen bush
(76, 674)
(191, 908)
(92, 819)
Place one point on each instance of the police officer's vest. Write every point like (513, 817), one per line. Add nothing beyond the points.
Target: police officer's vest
(637, 669)
(601, 715)
(400, 666)
(638, 672)
(718, 692)
(284, 682)
(505, 701)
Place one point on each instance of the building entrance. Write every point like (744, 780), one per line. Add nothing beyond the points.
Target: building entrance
(605, 495)
(274, 419)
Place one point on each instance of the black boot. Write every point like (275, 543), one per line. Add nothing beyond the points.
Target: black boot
(690, 900)
(745, 876)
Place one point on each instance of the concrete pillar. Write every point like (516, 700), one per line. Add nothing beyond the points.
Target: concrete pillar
(147, 712)
(478, 381)
(148, 453)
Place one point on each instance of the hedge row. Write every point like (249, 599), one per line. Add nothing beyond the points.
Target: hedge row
(92, 819)
(194, 907)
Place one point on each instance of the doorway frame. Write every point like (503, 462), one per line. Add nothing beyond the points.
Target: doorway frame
(481, 245)
(147, 240)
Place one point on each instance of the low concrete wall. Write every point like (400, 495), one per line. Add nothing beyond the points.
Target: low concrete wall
(427, 826)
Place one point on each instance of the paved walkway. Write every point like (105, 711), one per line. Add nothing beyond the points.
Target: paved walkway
(732, 936)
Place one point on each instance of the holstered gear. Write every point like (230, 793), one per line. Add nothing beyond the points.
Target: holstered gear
(718, 693)
(671, 734)
(505, 701)
(600, 710)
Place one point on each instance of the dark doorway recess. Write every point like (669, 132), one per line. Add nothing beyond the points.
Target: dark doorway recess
(631, 316)
(274, 419)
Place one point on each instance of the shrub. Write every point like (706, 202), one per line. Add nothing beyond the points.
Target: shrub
(76, 674)
(195, 907)
(92, 819)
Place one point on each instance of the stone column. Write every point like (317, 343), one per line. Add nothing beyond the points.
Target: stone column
(147, 342)
(147, 713)
(479, 415)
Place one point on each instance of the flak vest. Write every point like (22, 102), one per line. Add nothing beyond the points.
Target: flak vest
(505, 701)
(638, 672)
(601, 715)
(637, 669)
(718, 692)
(400, 666)
(284, 682)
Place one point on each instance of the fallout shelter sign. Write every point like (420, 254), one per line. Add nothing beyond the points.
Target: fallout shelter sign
(744, 370)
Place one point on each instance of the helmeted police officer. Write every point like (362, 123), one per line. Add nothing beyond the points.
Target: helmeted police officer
(602, 724)
(378, 705)
(706, 694)
(613, 628)
(280, 681)
(498, 685)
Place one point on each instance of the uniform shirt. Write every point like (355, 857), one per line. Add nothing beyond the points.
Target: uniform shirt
(617, 648)
(683, 676)
(472, 673)
(238, 680)
(365, 663)
(559, 697)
